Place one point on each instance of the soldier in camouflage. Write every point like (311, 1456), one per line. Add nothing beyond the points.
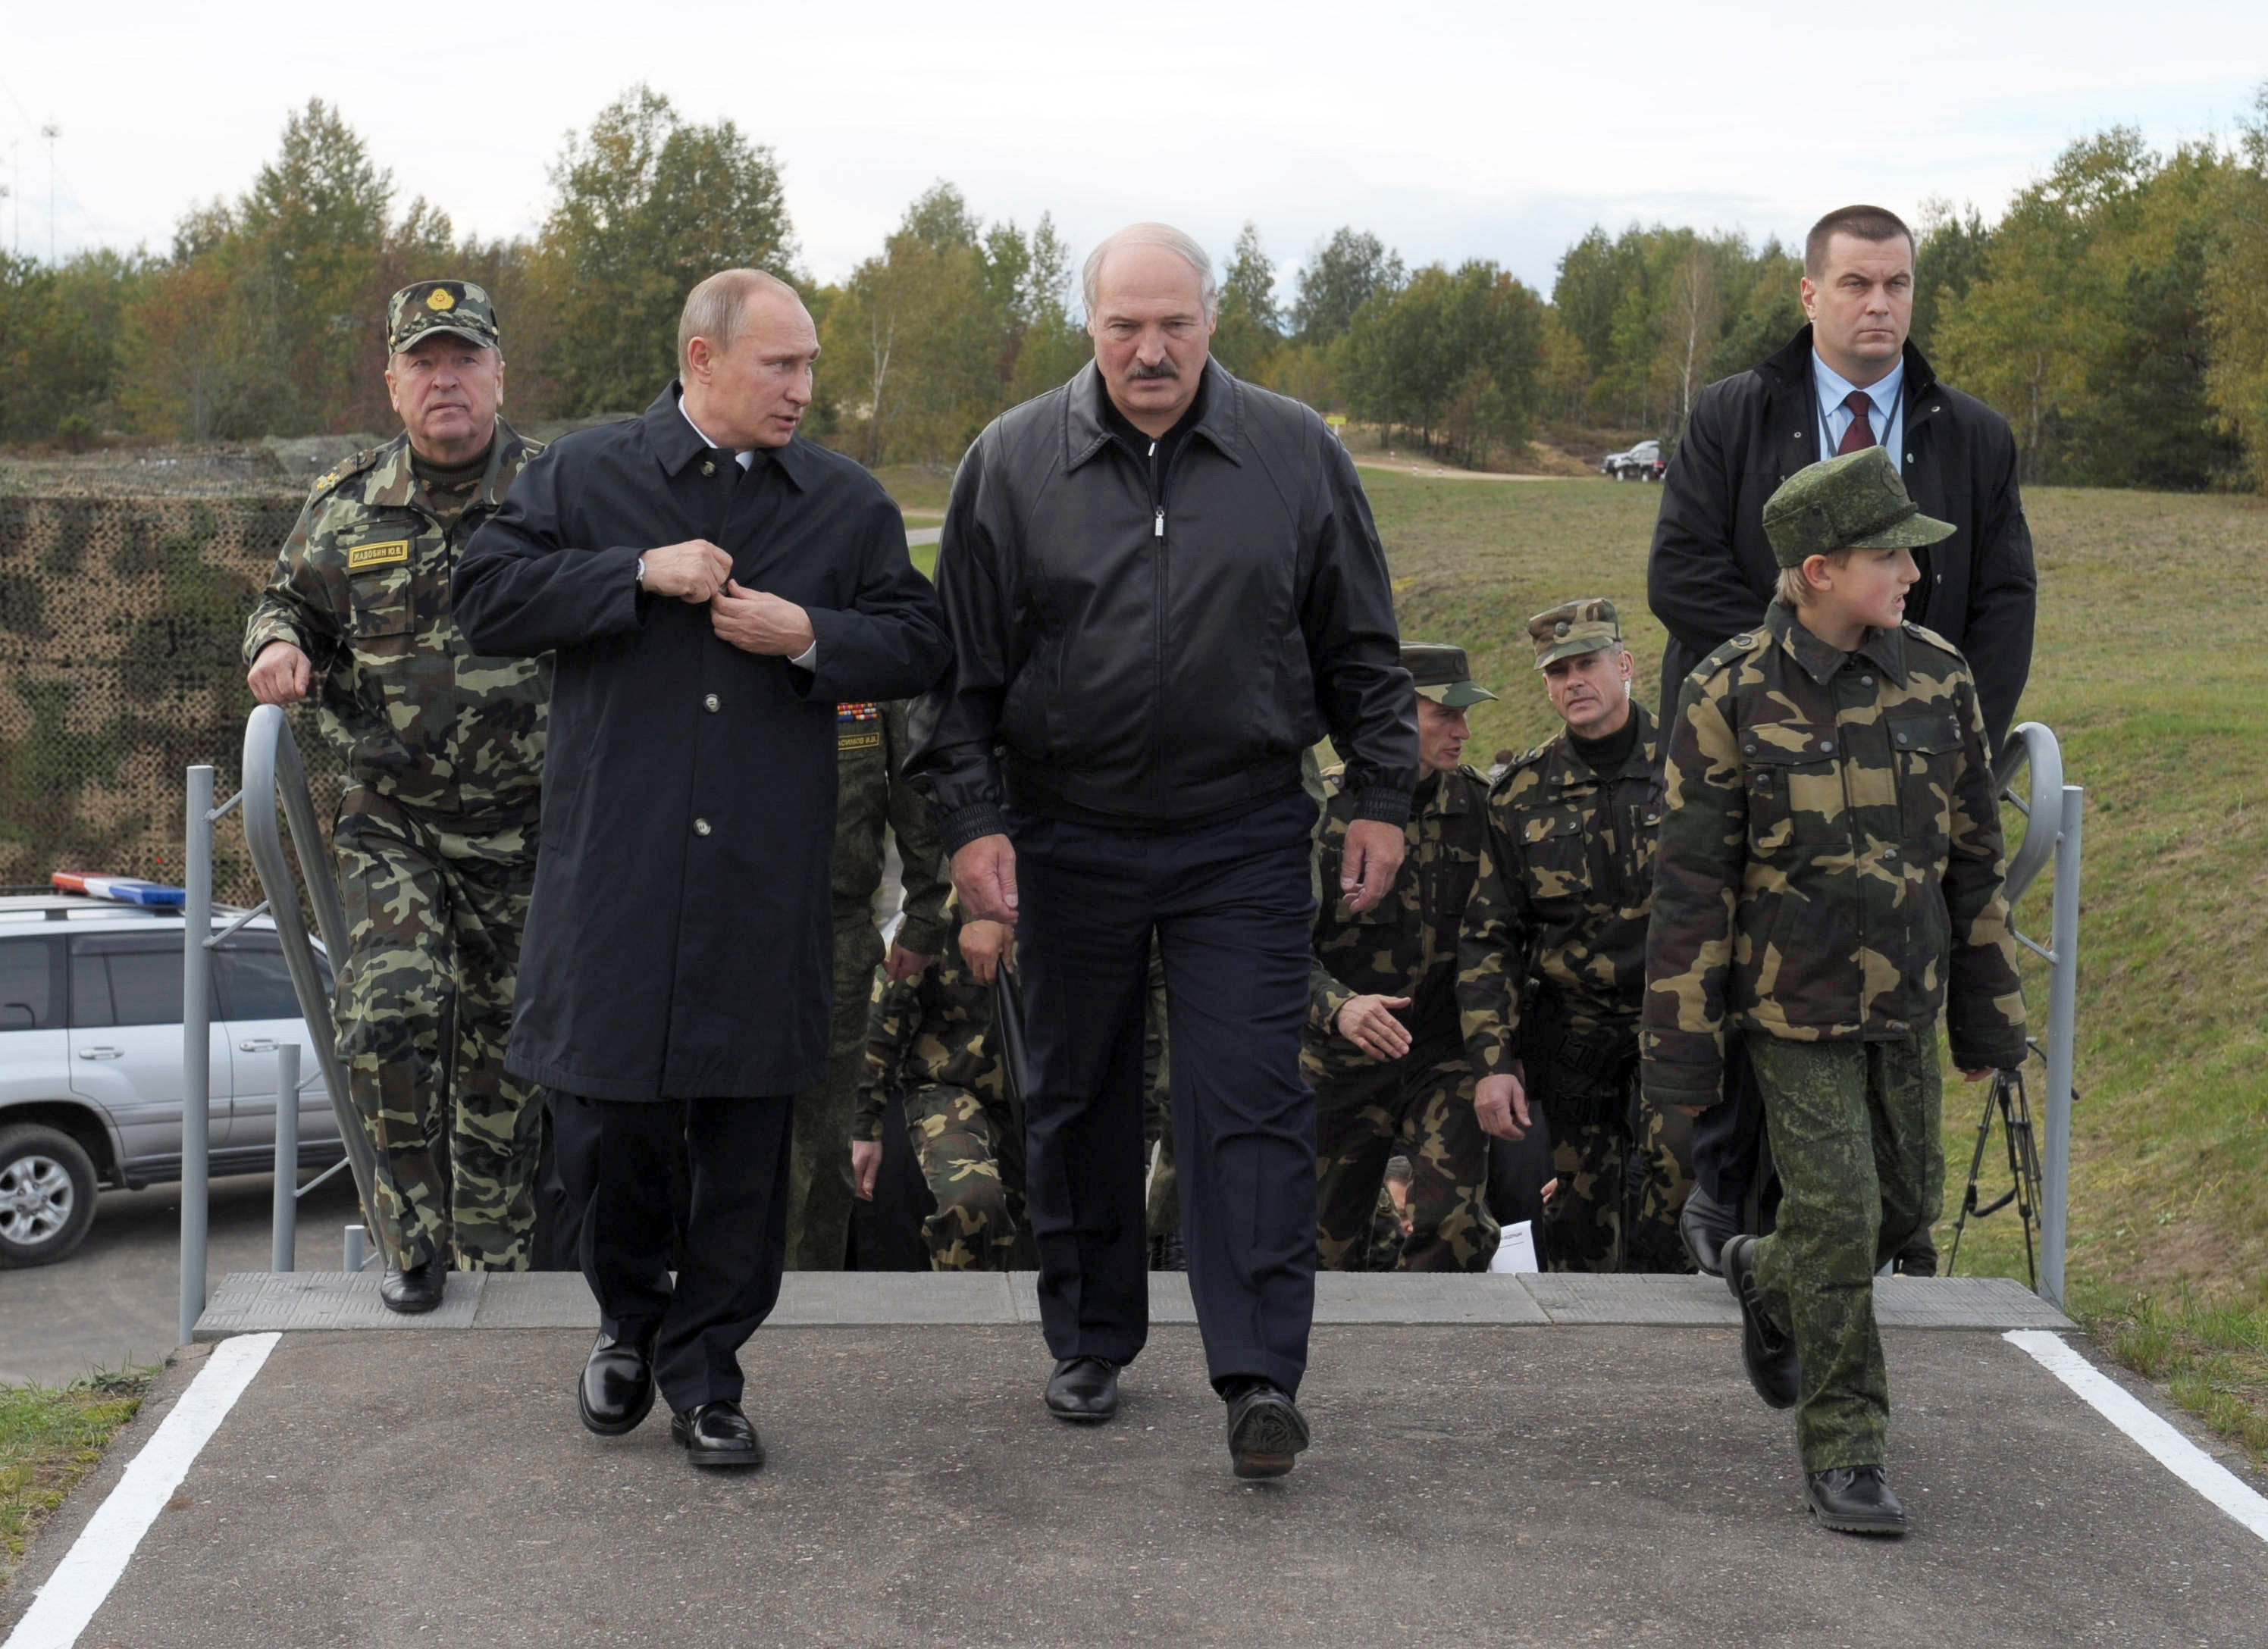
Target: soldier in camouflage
(1829, 881)
(1383, 1047)
(436, 837)
(1553, 958)
(931, 1037)
(870, 746)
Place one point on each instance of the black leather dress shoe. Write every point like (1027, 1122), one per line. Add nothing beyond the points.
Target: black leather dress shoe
(717, 1434)
(416, 1290)
(1265, 1431)
(616, 1391)
(1706, 1225)
(1856, 1499)
(1765, 1353)
(1083, 1390)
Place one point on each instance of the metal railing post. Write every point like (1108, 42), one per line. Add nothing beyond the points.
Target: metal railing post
(284, 1239)
(2062, 1030)
(196, 1047)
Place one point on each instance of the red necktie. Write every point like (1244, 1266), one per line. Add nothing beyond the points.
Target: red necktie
(1860, 435)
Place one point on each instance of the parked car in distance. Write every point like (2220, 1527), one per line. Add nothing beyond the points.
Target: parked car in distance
(91, 1082)
(1642, 462)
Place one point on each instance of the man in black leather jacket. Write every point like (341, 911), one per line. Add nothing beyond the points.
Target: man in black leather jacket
(1163, 587)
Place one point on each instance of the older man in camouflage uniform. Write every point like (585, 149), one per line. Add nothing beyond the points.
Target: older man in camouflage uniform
(436, 837)
(1829, 881)
(931, 1035)
(1383, 1048)
(872, 801)
(1554, 957)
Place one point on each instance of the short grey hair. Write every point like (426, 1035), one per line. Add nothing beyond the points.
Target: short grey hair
(1150, 235)
(717, 308)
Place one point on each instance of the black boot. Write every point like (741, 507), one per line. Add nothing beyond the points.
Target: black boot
(1084, 1389)
(1765, 1353)
(1706, 1225)
(416, 1290)
(615, 1392)
(1856, 1499)
(1266, 1429)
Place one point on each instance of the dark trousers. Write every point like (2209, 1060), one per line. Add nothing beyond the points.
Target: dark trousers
(614, 1157)
(1729, 1138)
(1231, 907)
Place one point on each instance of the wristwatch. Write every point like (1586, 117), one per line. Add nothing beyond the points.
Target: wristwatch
(641, 572)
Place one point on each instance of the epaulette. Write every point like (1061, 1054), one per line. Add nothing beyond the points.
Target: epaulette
(344, 469)
(1334, 777)
(1923, 633)
(1739, 646)
(1520, 764)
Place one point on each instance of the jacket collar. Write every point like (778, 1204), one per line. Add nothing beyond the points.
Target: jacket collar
(1086, 432)
(1638, 763)
(1791, 366)
(391, 483)
(1885, 649)
(673, 441)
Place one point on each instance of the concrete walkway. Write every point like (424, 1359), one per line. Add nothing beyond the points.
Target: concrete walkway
(1497, 1461)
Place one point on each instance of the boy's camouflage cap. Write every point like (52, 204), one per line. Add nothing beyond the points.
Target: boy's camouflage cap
(1855, 502)
(423, 307)
(1441, 675)
(1574, 628)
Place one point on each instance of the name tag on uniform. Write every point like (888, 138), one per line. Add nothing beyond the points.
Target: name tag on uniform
(858, 726)
(363, 557)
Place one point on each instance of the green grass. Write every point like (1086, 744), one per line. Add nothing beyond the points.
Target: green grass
(2152, 668)
(920, 489)
(49, 1437)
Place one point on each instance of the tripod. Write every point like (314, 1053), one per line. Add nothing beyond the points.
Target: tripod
(2008, 1096)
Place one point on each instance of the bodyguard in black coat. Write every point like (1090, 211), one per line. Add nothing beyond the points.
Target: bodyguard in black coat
(1712, 572)
(710, 586)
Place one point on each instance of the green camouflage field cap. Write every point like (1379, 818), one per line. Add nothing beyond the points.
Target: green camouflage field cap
(1442, 675)
(424, 307)
(1574, 628)
(1855, 502)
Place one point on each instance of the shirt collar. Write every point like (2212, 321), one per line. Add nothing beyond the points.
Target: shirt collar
(1885, 649)
(676, 440)
(1835, 389)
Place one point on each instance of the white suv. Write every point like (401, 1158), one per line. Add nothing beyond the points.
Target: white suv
(91, 1061)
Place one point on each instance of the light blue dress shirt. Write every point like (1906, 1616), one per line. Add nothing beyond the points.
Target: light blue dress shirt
(1889, 419)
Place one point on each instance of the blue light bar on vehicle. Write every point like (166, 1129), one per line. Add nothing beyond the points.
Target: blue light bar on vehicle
(125, 890)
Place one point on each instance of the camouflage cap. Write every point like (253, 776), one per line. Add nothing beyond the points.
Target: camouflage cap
(423, 307)
(1574, 628)
(1442, 675)
(1855, 502)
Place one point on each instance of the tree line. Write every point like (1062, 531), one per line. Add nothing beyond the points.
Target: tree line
(2115, 311)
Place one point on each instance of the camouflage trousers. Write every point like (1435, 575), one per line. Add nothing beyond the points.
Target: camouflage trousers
(819, 1152)
(1619, 1193)
(958, 1142)
(434, 913)
(1855, 1134)
(1420, 1105)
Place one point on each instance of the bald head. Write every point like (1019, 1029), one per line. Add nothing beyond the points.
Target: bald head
(718, 309)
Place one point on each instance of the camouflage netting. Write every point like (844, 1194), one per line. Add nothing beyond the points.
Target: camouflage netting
(120, 617)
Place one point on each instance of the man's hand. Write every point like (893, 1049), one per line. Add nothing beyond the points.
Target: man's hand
(903, 964)
(759, 623)
(280, 674)
(1977, 1075)
(692, 572)
(1373, 853)
(984, 946)
(866, 1163)
(984, 876)
(1369, 1022)
(1501, 1105)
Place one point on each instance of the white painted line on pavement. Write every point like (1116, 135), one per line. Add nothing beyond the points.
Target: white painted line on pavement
(83, 1580)
(2114, 1403)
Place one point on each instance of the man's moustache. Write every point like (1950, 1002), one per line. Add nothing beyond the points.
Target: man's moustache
(1139, 372)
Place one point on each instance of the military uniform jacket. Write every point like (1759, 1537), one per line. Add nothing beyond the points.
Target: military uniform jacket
(679, 941)
(1406, 944)
(934, 1029)
(1830, 867)
(1565, 894)
(362, 587)
(870, 749)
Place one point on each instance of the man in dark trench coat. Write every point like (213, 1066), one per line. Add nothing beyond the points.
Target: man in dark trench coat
(710, 586)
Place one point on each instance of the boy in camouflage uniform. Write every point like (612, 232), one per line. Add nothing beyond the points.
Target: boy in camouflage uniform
(1553, 957)
(1383, 1045)
(436, 837)
(1829, 879)
(930, 1036)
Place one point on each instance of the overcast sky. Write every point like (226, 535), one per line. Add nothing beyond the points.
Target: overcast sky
(1452, 130)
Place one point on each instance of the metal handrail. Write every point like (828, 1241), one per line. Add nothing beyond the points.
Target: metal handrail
(2032, 747)
(272, 764)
